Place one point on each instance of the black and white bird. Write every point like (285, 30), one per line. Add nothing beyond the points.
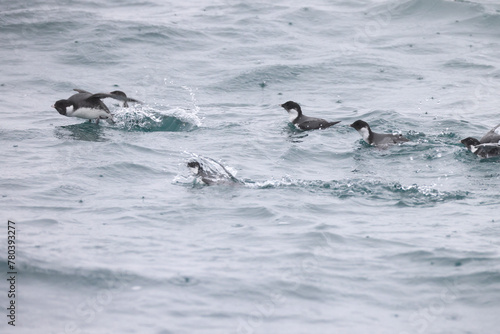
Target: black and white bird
(483, 150)
(376, 139)
(486, 147)
(492, 136)
(89, 106)
(304, 122)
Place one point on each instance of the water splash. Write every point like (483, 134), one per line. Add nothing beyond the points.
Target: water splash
(148, 119)
(408, 195)
(208, 172)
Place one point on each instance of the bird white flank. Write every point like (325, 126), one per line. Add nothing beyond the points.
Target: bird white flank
(292, 114)
(88, 113)
(365, 134)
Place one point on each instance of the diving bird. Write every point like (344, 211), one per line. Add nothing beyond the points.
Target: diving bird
(492, 136)
(304, 122)
(89, 106)
(483, 150)
(374, 138)
(486, 147)
(211, 172)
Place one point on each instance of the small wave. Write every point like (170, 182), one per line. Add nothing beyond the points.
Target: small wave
(95, 277)
(462, 63)
(434, 9)
(148, 119)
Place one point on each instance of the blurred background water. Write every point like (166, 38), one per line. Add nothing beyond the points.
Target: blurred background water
(326, 235)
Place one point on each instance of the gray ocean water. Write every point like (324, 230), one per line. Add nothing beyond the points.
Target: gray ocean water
(324, 235)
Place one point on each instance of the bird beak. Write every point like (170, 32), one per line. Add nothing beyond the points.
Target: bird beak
(52, 106)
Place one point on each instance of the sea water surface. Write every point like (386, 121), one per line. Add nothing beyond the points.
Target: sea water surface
(324, 234)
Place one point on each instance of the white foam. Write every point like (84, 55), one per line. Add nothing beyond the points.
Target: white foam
(144, 115)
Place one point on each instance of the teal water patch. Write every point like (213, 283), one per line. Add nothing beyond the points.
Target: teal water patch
(148, 119)
(294, 134)
(489, 160)
(84, 131)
